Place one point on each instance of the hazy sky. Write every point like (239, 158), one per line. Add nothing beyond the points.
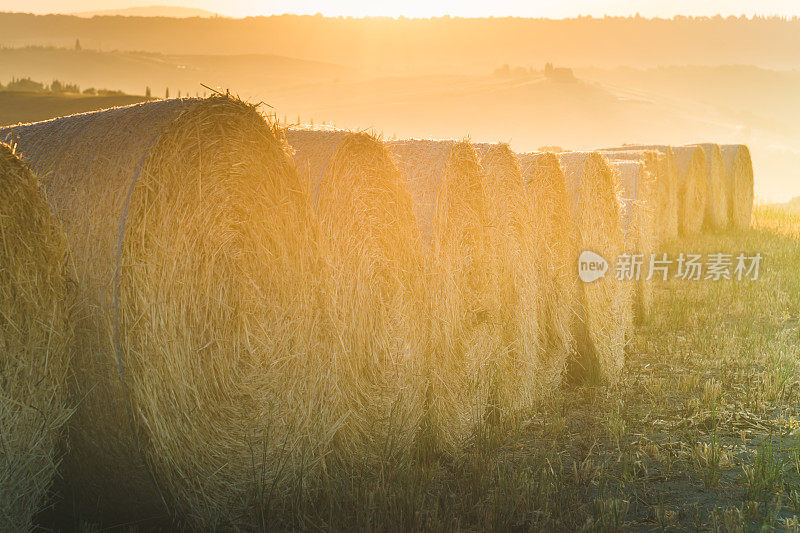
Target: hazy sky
(423, 8)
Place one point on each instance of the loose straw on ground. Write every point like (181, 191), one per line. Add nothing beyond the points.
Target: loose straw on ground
(444, 181)
(545, 187)
(717, 215)
(369, 238)
(660, 166)
(35, 333)
(516, 245)
(638, 223)
(200, 376)
(594, 203)
(739, 182)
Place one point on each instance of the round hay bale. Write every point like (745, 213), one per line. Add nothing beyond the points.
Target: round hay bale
(739, 182)
(444, 180)
(593, 196)
(638, 226)
(545, 187)
(516, 243)
(661, 167)
(199, 375)
(34, 344)
(690, 169)
(717, 215)
(690, 164)
(370, 243)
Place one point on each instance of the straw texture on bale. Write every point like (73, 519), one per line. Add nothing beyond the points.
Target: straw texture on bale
(690, 164)
(516, 247)
(193, 244)
(717, 215)
(444, 180)
(739, 183)
(34, 338)
(690, 169)
(661, 167)
(545, 187)
(370, 243)
(606, 303)
(638, 224)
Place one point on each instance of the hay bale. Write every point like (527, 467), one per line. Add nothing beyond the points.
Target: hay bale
(690, 163)
(661, 167)
(444, 180)
(717, 215)
(545, 187)
(605, 303)
(638, 226)
(739, 182)
(34, 351)
(370, 242)
(690, 169)
(516, 242)
(199, 375)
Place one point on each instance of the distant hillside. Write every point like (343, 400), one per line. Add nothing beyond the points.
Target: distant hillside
(756, 96)
(32, 107)
(247, 75)
(150, 11)
(431, 46)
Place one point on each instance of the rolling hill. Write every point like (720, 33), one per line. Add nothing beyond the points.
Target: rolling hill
(431, 46)
(132, 72)
(32, 107)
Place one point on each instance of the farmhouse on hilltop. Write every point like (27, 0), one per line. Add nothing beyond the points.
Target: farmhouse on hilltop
(560, 75)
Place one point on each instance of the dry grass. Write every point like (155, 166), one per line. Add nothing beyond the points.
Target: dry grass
(717, 215)
(739, 182)
(35, 333)
(200, 371)
(370, 243)
(606, 303)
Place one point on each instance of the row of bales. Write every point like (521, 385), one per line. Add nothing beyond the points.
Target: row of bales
(202, 312)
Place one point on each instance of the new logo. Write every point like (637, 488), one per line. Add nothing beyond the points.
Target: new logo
(591, 266)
